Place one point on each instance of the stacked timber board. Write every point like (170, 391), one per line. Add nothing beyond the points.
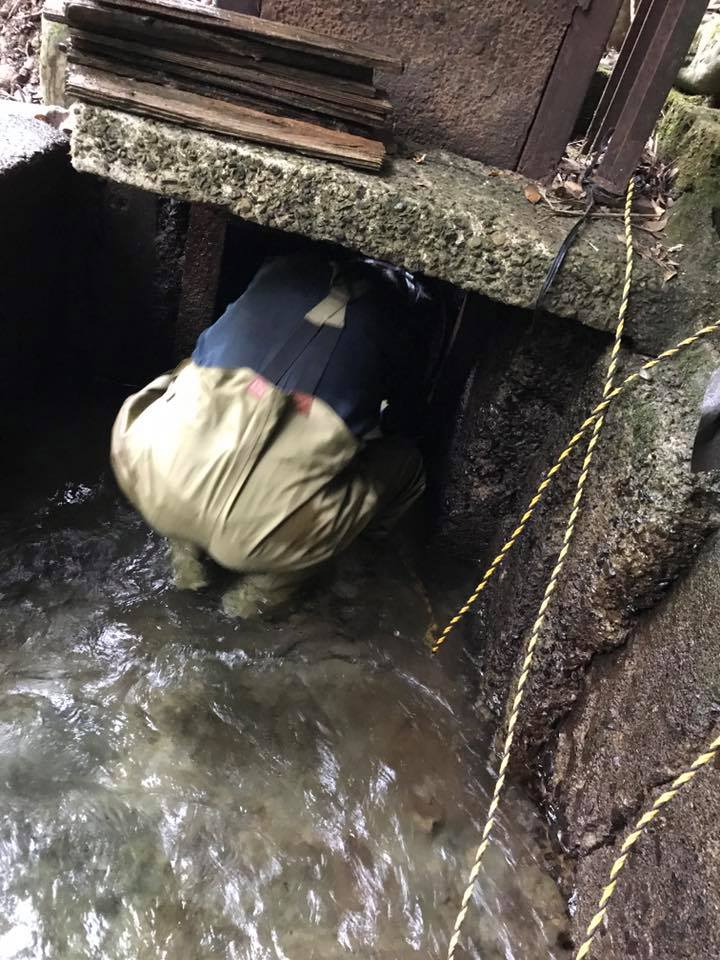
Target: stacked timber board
(228, 73)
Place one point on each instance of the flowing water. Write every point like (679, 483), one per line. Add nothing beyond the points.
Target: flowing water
(177, 785)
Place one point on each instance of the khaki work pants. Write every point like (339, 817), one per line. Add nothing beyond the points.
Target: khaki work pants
(389, 469)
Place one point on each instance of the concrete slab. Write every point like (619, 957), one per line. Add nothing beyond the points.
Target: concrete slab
(24, 138)
(448, 216)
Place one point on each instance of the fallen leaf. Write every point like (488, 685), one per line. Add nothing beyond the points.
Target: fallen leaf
(669, 274)
(645, 205)
(420, 157)
(655, 226)
(658, 208)
(674, 249)
(574, 189)
(532, 193)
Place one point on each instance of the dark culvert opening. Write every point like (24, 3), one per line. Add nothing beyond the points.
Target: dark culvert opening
(502, 381)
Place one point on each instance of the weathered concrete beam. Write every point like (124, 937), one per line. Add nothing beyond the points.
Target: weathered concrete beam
(450, 217)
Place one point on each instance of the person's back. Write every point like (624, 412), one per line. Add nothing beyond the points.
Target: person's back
(253, 452)
(373, 351)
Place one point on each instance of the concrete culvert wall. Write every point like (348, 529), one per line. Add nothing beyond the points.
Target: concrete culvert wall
(623, 694)
(43, 241)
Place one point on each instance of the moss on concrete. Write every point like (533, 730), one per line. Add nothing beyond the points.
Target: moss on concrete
(448, 216)
(689, 136)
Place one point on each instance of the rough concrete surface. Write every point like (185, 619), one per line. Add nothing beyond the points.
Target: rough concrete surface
(42, 201)
(475, 71)
(200, 276)
(89, 269)
(510, 421)
(648, 713)
(447, 216)
(23, 138)
(644, 517)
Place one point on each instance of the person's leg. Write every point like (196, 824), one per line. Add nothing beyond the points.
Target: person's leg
(377, 488)
(394, 468)
(259, 594)
(187, 565)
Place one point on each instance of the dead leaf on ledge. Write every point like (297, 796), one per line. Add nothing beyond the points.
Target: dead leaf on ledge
(420, 157)
(532, 193)
(573, 189)
(654, 226)
(669, 274)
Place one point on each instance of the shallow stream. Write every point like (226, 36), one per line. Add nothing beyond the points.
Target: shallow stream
(178, 786)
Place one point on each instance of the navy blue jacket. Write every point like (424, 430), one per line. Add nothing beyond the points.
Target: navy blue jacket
(378, 356)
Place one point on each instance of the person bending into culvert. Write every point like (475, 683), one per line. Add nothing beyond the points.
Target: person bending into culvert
(264, 451)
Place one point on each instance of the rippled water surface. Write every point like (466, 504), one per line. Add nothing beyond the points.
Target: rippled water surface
(177, 785)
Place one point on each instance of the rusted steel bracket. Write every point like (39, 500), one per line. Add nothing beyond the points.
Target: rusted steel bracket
(567, 86)
(201, 274)
(646, 69)
(620, 80)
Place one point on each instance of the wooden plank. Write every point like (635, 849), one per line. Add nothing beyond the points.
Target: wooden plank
(261, 98)
(294, 38)
(565, 91)
(241, 6)
(191, 38)
(276, 77)
(277, 73)
(204, 113)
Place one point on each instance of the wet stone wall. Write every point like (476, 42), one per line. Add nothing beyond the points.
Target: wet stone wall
(624, 688)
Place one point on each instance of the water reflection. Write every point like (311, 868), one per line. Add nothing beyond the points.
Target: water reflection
(176, 785)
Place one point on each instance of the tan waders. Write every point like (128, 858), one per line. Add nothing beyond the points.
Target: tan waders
(266, 483)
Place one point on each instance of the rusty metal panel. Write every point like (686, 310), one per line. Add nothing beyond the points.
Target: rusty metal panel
(652, 66)
(572, 73)
(475, 70)
(204, 248)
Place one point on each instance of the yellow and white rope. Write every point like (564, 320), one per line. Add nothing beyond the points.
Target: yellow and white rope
(640, 827)
(547, 481)
(600, 409)
(550, 588)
